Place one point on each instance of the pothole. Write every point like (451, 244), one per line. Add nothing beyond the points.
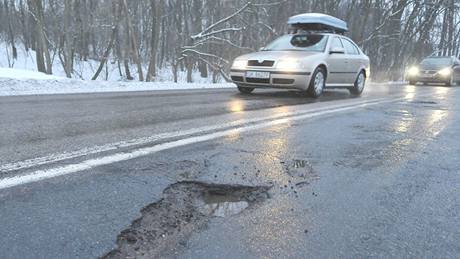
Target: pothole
(299, 169)
(184, 208)
(428, 104)
(301, 174)
(424, 102)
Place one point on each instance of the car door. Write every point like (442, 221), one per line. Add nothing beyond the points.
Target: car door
(353, 61)
(337, 61)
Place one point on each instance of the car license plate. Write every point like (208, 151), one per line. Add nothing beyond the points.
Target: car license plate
(258, 74)
(426, 75)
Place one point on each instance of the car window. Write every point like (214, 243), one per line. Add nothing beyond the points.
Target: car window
(350, 47)
(436, 62)
(336, 43)
(299, 42)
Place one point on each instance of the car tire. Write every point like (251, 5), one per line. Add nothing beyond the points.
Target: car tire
(245, 90)
(359, 85)
(412, 82)
(317, 83)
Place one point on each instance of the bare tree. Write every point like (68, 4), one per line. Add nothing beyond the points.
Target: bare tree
(205, 36)
(44, 63)
(10, 30)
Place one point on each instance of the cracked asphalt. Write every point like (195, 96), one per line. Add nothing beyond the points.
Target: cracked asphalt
(376, 181)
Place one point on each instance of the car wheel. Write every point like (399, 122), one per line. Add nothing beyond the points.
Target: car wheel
(317, 83)
(360, 83)
(245, 90)
(412, 82)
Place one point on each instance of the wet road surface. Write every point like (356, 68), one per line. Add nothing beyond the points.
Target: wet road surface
(375, 176)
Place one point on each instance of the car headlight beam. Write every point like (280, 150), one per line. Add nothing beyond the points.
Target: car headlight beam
(413, 71)
(445, 71)
(239, 64)
(288, 64)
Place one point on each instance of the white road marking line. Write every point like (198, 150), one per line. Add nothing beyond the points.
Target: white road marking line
(119, 157)
(53, 158)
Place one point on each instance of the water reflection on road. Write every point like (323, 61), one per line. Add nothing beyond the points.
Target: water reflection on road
(279, 219)
(415, 128)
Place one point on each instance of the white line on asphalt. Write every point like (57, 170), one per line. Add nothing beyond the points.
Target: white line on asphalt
(54, 158)
(123, 156)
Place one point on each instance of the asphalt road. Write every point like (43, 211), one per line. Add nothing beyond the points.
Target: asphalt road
(374, 176)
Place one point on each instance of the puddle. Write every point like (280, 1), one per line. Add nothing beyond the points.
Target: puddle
(223, 205)
(184, 208)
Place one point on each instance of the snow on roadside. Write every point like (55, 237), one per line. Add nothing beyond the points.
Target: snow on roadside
(21, 74)
(85, 70)
(26, 82)
(23, 79)
(12, 87)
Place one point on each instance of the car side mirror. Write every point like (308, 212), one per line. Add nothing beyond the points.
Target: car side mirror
(337, 50)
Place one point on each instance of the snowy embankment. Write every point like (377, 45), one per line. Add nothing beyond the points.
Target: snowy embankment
(19, 77)
(10, 73)
(23, 82)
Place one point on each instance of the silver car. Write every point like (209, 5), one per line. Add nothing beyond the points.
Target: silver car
(306, 61)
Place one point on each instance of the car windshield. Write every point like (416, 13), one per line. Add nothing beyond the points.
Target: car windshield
(307, 42)
(436, 62)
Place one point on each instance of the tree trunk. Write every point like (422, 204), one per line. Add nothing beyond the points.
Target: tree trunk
(133, 40)
(41, 67)
(107, 52)
(42, 43)
(10, 28)
(65, 42)
(156, 18)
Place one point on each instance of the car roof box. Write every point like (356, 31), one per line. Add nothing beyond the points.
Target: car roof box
(317, 22)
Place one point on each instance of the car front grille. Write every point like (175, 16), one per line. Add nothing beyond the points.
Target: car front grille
(428, 72)
(283, 81)
(237, 78)
(264, 63)
(258, 80)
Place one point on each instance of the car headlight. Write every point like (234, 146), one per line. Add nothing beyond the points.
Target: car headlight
(445, 72)
(288, 64)
(239, 63)
(413, 71)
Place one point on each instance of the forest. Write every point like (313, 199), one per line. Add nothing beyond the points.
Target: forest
(142, 37)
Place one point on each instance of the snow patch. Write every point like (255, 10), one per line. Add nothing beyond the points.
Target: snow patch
(56, 85)
(85, 70)
(20, 77)
(21, 74)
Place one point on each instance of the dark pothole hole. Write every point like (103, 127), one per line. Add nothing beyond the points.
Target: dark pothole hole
(184, 208)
